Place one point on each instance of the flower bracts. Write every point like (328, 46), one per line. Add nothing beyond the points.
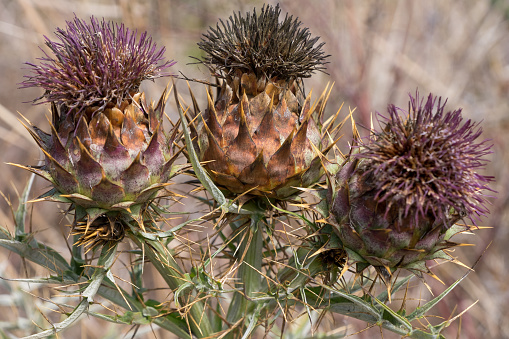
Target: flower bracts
(398, 196)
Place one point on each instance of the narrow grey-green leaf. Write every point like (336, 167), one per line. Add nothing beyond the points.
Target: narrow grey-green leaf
(252, 321)
(20, 214)
(418, 334)
(104, 263)
(393, 316)
(42, 255)
(384, 296)
(200, 172)
(421, 311)
(76, 313)
(167, 234)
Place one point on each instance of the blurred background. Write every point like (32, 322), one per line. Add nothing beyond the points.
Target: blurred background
(381, 50)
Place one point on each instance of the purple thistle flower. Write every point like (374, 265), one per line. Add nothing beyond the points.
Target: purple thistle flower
(428, 161)
(95, 64)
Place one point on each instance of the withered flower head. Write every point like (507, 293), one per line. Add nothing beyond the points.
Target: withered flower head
(101, 231)
(95, 64)
(260, 134)
(428, 161)
(261, 44)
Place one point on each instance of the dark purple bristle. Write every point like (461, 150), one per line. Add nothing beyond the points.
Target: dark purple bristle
(428, 161)
(95, 64)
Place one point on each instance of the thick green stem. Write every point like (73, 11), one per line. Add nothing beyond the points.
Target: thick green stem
(173, 275)
(249, 275)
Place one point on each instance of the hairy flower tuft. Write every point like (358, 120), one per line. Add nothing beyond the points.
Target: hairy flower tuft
(262, 45)
(427, 161)
(101, 231)
(95, 64)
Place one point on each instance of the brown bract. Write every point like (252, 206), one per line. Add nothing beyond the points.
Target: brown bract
(109, 158)
(259, 137)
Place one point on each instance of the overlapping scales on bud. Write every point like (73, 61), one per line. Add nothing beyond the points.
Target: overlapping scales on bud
(397, 199)
(260, 135)
(112, 158)
(106, 150)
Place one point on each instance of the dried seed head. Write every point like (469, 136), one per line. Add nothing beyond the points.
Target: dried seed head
(95, 64)
(427, 161)
(262, 45)
(101, 231)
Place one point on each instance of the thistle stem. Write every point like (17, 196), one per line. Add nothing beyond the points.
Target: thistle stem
(249, 272)
(173, 275)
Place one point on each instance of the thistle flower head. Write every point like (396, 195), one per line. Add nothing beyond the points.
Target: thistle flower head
(427, 161)
(95, 64)
(107, 149)
(394, 203)
(262, 45)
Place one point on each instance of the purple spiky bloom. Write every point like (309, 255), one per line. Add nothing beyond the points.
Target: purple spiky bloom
(395, 202)
(95, 64)
(426, 160)
(107, 151)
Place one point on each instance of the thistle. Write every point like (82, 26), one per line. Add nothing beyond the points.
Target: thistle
(397, 199)
(260, 136)
(106, 152)
(102, 230)
(95, 65)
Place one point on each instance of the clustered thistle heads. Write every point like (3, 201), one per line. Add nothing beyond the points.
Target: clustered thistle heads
(392, 203)
(95, 64)
(107, 151)
(397, 197)
(260, 136)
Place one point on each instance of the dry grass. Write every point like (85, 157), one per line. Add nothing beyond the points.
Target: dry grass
(381, 51)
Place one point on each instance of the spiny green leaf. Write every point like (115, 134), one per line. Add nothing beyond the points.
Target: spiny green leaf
(421, 311)
(418, 334)
(104, 263)
(41, 255)
(384, 296)
(76, 313)
(171, 272)
(20, 214)
(393, 317)
(252, 320)
(167, 234)
(200, 172)
(249, 271)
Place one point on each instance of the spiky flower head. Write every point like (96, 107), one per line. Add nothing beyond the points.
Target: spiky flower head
(94, 64)
(428, 161)
(107, 151)
(396, 199)
(260, 134)
(261, 45)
